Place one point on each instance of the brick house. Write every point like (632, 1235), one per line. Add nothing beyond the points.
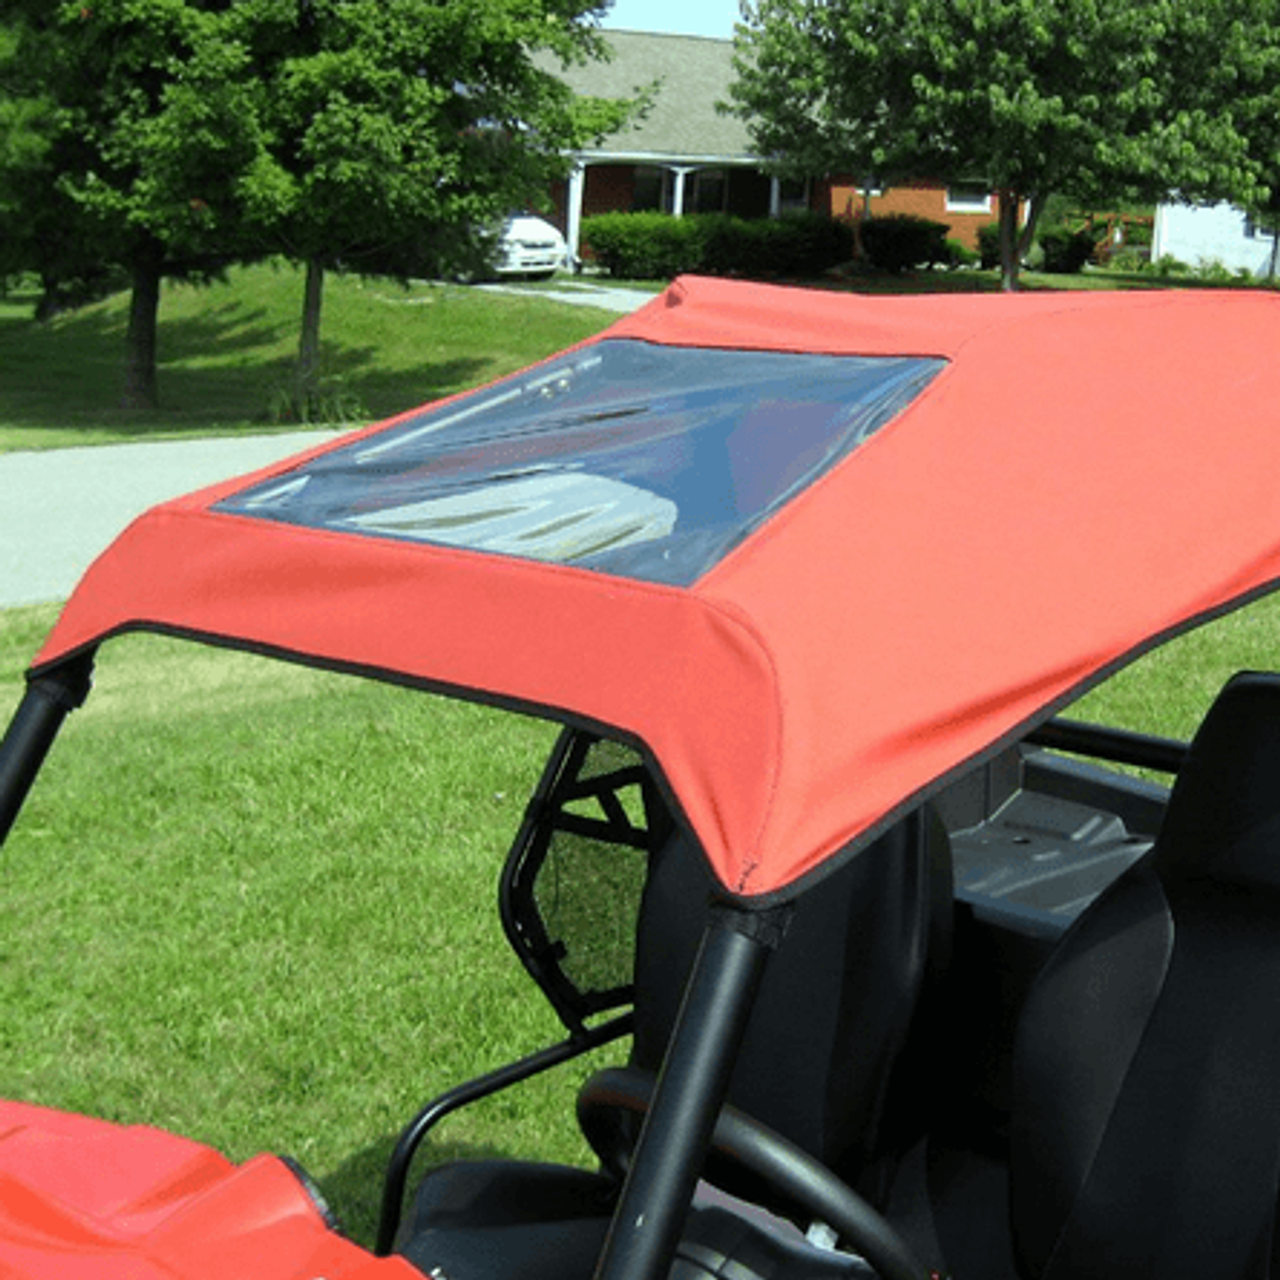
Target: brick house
(685, 156)
(963, 208)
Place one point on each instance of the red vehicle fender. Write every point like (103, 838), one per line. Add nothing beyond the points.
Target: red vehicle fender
(83, 1199)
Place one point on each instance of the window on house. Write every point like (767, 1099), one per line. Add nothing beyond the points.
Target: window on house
(709, 191)
(652, 192)
(968, 198)
(793, 195)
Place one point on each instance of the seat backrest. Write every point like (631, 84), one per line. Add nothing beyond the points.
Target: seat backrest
(605, 899)
(1145, 1136)
(838, 998)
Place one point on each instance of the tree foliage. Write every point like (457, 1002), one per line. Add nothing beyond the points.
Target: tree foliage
(1094, 97)
(170, 136)
(395, 133)
(139, 108)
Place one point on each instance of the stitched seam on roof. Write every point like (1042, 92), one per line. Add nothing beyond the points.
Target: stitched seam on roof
(741, 621)
(734, 617)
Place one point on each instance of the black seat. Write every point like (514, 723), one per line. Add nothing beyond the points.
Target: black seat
(828, 1044)
(1145, 1136)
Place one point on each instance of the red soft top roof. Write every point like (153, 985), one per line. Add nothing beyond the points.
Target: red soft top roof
(1087, 473)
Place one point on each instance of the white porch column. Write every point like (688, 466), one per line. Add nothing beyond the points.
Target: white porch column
(775, 197)
(573, 212)
(677, 196)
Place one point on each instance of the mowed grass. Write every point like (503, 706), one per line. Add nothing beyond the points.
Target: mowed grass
(256, 904)
(1168, 690)
(226, 352)
(226, 349)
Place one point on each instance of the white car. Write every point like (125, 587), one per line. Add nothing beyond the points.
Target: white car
(529, 246)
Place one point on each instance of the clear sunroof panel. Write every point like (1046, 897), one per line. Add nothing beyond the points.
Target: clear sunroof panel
(626, 457)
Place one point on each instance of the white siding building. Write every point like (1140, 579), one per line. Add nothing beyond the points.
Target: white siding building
(1221, 233)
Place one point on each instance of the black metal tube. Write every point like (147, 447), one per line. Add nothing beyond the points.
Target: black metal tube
(31, 732)
(1102, 742)
(415, 1132)
(784, 1166)
(691, 1087)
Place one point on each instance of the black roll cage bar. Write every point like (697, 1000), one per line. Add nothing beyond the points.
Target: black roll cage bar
(693, 1082)
(47, 702)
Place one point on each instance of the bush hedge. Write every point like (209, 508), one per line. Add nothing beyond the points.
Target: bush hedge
(960, 255)
(1065, 251)
(643, 246)
(901, 241)
(989, 246)
(648, 246)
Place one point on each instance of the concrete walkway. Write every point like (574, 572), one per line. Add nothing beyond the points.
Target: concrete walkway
(582, 292)
(59, 508)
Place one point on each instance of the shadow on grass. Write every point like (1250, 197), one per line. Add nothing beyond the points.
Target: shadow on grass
(354, 1190)
(228, 367)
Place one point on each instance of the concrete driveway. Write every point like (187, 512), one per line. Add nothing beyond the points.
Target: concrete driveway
(60, 508)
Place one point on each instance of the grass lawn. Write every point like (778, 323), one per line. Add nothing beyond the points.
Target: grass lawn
(226, 351)
(255, 904)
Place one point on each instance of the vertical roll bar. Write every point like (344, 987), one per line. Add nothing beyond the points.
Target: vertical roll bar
(45, 705)
(691, 1087)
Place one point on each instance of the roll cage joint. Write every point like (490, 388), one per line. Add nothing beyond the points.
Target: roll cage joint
(48, 700)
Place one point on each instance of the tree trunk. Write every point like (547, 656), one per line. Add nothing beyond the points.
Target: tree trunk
(140, 338)
(1035, 207)
(1009, 260)
(306, 384)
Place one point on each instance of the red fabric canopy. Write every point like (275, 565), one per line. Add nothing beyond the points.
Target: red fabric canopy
(1088, 473)
(81, 1199)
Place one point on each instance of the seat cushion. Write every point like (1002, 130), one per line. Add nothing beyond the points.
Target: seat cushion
(838, 998)
(494, 1219)
(1146, 1105)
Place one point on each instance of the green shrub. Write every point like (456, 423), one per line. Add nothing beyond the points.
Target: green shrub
(1065, 251)
(805, 244)
(989, 246)
(1168, 265)
(655, 245)
(1129, 258)
(1138, 235)
(960, 255)
(900, 241)
(330, 402)
(731, 246)
(644, 246)
(1211, 271)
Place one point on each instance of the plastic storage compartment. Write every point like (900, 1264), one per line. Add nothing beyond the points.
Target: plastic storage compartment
(1036, 837)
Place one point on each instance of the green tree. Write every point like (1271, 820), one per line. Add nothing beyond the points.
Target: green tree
(1093, 97)
(49, 243)
(1256, 95)
(395, 133)
(138, 105)
(23, 147)
(173, 136)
